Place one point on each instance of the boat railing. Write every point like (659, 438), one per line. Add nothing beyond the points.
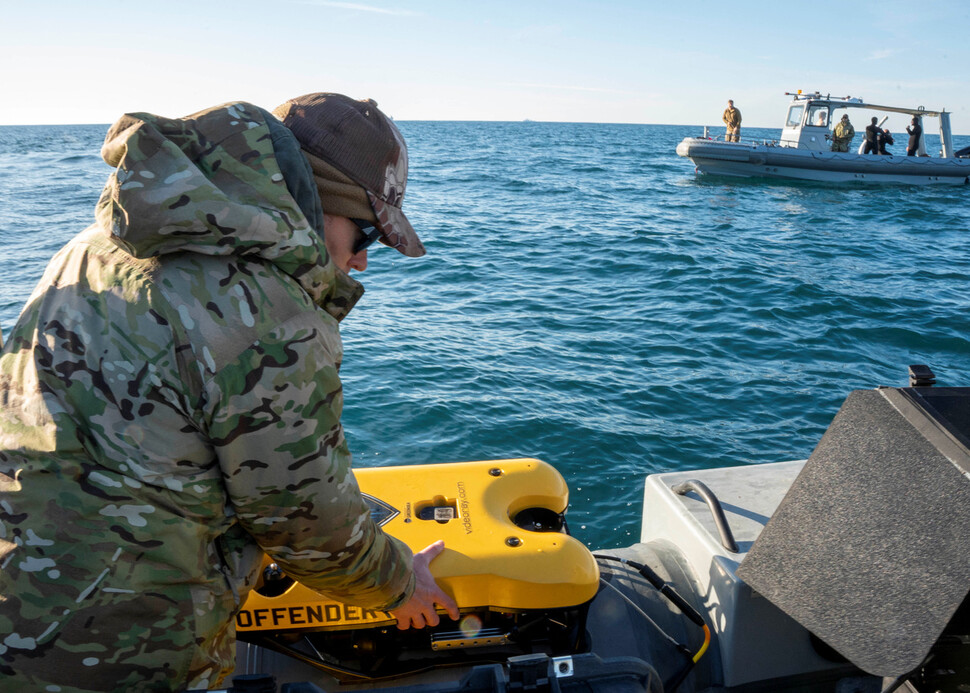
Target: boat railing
(751, 142)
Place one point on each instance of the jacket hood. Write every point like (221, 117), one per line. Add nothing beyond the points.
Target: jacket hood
(212, 183)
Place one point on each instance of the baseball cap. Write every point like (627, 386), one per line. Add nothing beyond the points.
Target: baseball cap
(363, 144)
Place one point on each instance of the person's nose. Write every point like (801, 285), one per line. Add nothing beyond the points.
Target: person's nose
(358, 261)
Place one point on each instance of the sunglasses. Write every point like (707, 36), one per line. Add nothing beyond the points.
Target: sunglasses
(369, 234)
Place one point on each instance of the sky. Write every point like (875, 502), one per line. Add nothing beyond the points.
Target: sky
(608, 61)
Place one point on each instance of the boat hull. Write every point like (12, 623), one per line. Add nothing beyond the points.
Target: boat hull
(768, 161)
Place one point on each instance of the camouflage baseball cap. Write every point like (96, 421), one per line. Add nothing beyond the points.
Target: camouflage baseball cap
(361, 142)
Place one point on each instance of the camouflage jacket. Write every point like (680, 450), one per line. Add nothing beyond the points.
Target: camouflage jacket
(843, 130)
(731, 117)
(171, 409)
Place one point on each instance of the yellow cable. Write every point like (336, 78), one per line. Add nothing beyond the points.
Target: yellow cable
(707, 641)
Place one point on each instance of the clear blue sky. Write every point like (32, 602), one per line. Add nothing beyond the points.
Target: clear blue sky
(625, 61)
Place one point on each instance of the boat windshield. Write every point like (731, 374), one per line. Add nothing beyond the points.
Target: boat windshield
(795, 116)
(818, 116)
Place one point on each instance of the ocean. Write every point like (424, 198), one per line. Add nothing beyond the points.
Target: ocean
(587, 300)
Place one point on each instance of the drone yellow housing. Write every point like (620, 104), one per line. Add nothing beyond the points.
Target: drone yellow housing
(506, 549)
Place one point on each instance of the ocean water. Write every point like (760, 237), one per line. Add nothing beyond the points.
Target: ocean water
(586, 299)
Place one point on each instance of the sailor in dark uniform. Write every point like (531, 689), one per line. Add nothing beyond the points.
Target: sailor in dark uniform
(915, 132)
(885, 137)
(872, 137)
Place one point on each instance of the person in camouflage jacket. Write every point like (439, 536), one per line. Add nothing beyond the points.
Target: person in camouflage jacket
(171, 406)
(732, 121)
(842, 134)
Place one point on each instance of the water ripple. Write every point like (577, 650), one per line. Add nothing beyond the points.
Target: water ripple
(587, 300)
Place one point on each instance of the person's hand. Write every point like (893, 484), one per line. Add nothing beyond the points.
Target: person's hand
(419, 610)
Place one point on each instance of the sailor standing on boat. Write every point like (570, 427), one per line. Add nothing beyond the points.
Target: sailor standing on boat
(842, 134)
(915, 131)
(872, 137)
(885, 138)
(171, 402)
(732, 119)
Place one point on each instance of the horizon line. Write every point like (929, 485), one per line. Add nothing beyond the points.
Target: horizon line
(442, 120)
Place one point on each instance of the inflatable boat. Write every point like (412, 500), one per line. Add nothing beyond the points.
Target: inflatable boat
(846, 572)
(804, 151)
